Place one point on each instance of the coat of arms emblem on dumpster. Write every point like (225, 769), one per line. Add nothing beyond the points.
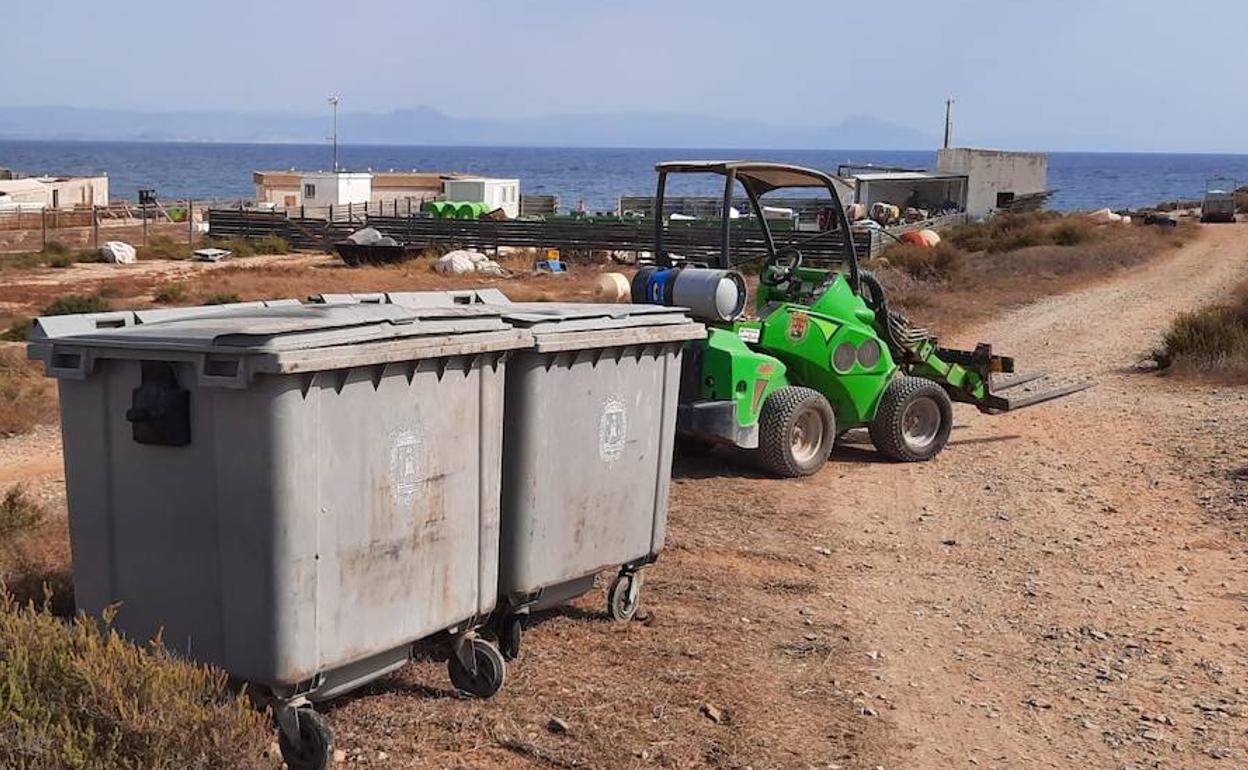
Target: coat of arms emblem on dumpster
(405, 476)
(612, 430)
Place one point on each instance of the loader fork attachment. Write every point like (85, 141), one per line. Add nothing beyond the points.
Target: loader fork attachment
(970, 377)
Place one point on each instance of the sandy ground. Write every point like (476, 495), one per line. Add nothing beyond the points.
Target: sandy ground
(1063, 587)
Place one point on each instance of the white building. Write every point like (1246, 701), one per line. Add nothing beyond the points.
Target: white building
(329, 188)
(496, 193)
(997, 179)
(56, 192)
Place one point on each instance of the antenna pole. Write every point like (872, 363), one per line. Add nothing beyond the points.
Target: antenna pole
(948, 121)
(333, 101)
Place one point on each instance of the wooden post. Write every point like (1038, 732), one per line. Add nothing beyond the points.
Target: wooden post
(190, 222)
(143, 206)
(95, 228)
(43, 223)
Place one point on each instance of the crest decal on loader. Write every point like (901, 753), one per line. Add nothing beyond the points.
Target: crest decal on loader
(799, 324)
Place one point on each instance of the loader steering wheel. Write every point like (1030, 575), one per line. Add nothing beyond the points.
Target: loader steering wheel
(780, 267)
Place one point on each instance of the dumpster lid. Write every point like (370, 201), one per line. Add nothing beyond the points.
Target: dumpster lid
(295, 327)
(569, 325)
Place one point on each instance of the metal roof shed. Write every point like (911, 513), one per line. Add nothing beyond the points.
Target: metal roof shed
(935, 191)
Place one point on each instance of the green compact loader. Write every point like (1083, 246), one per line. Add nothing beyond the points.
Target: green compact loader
(823, 354)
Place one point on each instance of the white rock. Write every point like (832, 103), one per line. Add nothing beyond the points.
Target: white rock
(119, 253)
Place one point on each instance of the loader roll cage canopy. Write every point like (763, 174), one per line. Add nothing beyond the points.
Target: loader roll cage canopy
(757, 178)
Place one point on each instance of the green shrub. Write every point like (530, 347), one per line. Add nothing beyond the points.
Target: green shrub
(76, 696)
(56, 249)
(170, 293)
(19, 329)
(18, 512)
(250, 247)
(77, 303)
(60, 261)
(270, 244)
(221, 298)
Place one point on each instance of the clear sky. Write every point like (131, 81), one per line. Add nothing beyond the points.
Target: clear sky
(1061, 74)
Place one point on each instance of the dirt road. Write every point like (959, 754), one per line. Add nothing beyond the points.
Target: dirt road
(1064, 587)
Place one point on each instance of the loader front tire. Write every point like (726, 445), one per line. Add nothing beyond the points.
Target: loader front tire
(795, 432)
(913, 420)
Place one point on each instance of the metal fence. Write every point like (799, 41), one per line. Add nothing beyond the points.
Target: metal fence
(34, 227)
(692, 240)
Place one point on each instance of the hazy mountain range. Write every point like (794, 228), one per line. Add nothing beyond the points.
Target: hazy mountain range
(427, 126)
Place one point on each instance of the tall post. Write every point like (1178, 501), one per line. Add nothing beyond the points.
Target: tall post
(143, 206)
(190, 222)
(948, 121)
(43, 223)
(95, 228)
(333, 102)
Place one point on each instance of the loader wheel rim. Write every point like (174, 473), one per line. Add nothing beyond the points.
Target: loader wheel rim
(806, 438)
(920, 423)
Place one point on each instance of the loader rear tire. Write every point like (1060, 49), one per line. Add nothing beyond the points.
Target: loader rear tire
(795, 432)
(913, 420)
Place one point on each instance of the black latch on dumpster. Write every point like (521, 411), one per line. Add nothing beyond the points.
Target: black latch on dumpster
(160, 411)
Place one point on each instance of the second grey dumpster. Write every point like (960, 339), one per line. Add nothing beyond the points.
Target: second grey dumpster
(294, 494)
(589, 428)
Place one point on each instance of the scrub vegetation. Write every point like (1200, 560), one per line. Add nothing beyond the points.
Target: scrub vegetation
(77, 696)
(981, 268)
(27, 398)
(1210, 341)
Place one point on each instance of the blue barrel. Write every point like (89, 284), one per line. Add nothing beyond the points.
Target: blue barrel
(653, 285)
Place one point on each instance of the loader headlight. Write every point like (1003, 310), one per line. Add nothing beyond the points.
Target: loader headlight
(843, 357)
(869, 354)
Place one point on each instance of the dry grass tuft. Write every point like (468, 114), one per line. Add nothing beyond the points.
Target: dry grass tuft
(1209, 341)
(27, 398)
(169, 294)
(70, 304)
(76, 696)
(164, 247)
(19, 511)
(923, 263)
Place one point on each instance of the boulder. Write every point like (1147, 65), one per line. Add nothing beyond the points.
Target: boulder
(118, 252)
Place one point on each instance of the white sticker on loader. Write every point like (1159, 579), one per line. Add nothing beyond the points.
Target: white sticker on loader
(612, 430)
(405, 461)
(748, 334)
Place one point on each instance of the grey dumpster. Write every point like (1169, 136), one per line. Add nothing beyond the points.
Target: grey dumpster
(590, 422)
(292, 493)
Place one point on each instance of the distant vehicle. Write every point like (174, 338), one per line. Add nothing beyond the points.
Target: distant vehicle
(1218, 203)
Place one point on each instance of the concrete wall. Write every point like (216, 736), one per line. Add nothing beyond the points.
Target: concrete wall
(992, 172)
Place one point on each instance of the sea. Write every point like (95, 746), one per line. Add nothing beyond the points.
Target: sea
(594, 176)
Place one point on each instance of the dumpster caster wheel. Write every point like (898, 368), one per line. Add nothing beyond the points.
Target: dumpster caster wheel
(624, 596)
(315, 750)
(510, 631)
(490, 674)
